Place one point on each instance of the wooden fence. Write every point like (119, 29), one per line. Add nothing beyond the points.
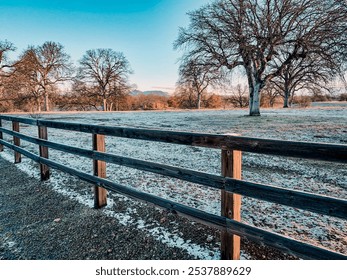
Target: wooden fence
(230, 183)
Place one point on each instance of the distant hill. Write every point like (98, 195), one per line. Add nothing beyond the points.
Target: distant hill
(148, 92)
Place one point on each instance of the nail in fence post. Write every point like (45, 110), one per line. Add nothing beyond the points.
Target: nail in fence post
(99, 167)
(16, 142)
(1, 137)
(231, 204)
(44, 169)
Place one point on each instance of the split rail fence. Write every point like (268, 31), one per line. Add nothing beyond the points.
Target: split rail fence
(229, 183)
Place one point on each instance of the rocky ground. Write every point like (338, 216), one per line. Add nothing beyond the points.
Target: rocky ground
(38, 223)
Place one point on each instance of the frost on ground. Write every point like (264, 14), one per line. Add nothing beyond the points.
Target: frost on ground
(316, 125)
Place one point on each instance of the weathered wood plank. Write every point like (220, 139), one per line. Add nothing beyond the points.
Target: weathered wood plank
(16, 141)
(308, 150)
(255, 234)
(19, 119)
(43, 150)
(330, 206)
(99, 168)
(1, 137)
(231, 163)
(284, 244)
(330, 152)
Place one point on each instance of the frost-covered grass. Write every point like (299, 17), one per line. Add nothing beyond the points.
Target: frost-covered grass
(316, 125)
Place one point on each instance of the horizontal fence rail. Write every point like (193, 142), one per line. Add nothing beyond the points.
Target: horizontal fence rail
(255, 234)
(319, 151)
(315, 203)
(302, 200)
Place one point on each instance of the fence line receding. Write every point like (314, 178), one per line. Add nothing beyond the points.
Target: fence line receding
(229, 182)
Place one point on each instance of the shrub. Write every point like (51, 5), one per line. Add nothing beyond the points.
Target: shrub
(303, 101)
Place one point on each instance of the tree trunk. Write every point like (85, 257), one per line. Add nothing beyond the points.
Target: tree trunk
(198, 106)
(254, 98)
(286, 98)
(104, 106)
(38, 103)
(285, 105)
(46, 102)
(291, 99)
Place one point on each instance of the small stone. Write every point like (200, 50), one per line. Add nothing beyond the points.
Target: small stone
(209, 239)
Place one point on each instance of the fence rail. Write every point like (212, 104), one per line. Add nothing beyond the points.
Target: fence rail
(231, 188)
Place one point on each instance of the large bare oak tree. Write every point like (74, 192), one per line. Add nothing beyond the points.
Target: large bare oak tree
(265, 36)
(305, 73)
(40, 70)
(54, 67)
(105, 72)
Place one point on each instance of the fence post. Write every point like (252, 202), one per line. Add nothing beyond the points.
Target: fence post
(231, 204)
(44, 169)
(99, 167)
(16, 142)
(1, 137)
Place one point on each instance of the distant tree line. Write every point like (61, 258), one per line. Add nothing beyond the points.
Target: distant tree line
(36, 80)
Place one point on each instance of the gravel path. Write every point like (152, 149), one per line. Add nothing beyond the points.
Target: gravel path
(38, 223)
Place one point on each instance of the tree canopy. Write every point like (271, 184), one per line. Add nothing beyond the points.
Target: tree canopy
(106, 71)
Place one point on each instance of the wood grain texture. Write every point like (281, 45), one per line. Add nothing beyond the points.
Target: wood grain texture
(16, 141)
(43, 150)
(99, 169)
(231, 165)
(1, 137)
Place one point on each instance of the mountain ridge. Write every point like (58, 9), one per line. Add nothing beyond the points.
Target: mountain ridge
(148, 92)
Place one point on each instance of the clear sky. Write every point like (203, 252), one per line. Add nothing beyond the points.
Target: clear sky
(144, 30)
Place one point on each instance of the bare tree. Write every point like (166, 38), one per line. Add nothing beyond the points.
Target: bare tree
(184, 97)
(239, 96)
(198, 75)
(53, 67)
(106, 72)
(5, 47)
(25, 78)
(304, 73)
(19, 85)
(81, 98)
(269, 95)
(120, 89)
(38, 73)
(265, 36)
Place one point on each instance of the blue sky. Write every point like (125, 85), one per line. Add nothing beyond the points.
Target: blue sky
(143, 30)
